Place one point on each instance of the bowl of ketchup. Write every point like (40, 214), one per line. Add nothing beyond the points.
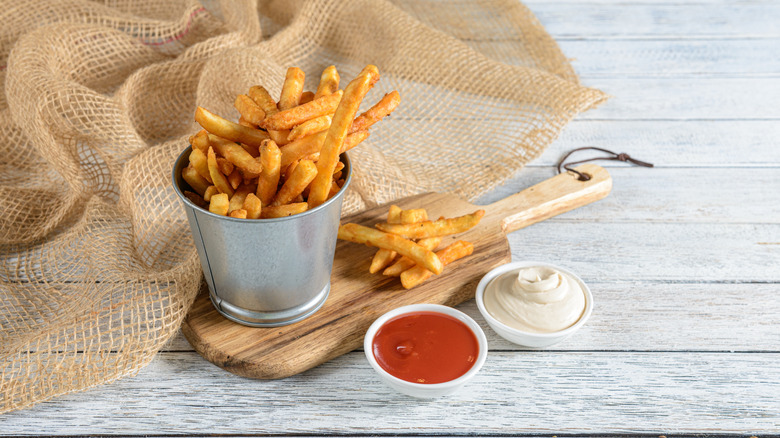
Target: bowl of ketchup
(425, 350)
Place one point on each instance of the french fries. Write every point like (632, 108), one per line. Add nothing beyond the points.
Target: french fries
(342, 120)
(384, 257)
(282, 157)
(372, 237)
(405, 263)
(441, 227)
(416, 275)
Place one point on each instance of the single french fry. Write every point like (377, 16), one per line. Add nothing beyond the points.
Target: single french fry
(219, 204)
(244, 122)
(200, 141)
(235, 179)
(196, 199)
(384, 257)
(235, 154)
(377, 112)
(239, 213)
(416, 275)
(369, 236)
(306, 97)
(339, 168)
(267, 183)
(237, 200)
(193, 178)
(253, 206)
(289, 118)
(210, 191)
(217, 177)
(309, 147)
(413, 216)
(329, 82)
(334, 140)
(405, 263)
(226, 129)
(290, 169)
(303, 174)
(310, 127)
(441, 227)
(292, 88)
(284, 210)
(200, 162)
(249, 110)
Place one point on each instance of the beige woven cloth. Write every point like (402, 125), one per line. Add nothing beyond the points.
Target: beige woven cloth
(97, 266)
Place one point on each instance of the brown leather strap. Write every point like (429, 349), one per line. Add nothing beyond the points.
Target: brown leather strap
(612, 156)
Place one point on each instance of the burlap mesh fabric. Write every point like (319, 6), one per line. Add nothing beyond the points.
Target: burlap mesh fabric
(98, 268)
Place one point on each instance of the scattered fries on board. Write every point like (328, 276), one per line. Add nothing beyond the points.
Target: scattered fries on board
(407, 242)
(281, 158)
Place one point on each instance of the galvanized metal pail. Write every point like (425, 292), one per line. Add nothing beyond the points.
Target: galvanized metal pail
(265, 272)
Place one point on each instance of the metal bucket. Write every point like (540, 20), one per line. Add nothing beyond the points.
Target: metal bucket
(265, 272)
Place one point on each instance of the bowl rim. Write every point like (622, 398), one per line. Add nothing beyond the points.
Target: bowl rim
(434, 308)
(495, 272)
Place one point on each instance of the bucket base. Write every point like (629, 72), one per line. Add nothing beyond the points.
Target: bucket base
(253, 318)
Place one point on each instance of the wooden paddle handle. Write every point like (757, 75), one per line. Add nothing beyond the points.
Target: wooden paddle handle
(552, 197)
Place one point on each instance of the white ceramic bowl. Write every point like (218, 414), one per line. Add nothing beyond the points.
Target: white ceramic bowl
(426, 390)
(520, 337)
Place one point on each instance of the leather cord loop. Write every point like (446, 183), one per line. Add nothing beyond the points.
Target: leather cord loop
(612, 156)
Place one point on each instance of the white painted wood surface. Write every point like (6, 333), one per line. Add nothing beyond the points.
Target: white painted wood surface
(683, 261)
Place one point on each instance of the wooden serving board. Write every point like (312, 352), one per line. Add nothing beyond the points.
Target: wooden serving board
(357, 298)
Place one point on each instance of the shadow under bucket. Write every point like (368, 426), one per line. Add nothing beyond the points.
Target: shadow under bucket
(265, 272)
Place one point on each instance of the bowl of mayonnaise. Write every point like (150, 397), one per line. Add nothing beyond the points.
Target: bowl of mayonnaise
(534, 304)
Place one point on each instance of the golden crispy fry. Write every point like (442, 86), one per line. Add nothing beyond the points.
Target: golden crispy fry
(193, 178)
(211, 190)
(339, 167)
(219, 204)
(235, 178)
(270, 158)
(244, 122)
(249, 110)
(309, 147)
(235, 154)
(353, 140)
(405, 263)
(253, 206)
(384, 257)
(228, 130)
(376, 112)
(334, 188)
(217, 177)
(199, 162)
(196, 199)
(416, 275)
(200, 141)
(306, 97)
(292, 88)
(303, 174)
(290, 169)
(441, 227)
(329, 82)
(288, 118)
(224, 166)
(239, 213)
(280, 137)
(310, 127)
(414, 216)
(369, 236)
(237, 200)
(284, 210)
(334, 140)
(254, 151)
(263, 99)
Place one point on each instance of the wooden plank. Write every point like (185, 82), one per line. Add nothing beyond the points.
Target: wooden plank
(671, 19)
(516, 392)
(656, 316)
(686, 195)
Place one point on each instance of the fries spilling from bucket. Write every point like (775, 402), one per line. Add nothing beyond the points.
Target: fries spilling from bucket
(281, 158)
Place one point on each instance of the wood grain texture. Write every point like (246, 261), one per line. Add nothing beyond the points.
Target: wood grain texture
(514, 393)
(357, 298)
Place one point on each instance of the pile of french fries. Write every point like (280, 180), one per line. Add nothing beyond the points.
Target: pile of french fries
(281, 158)
(407, 242)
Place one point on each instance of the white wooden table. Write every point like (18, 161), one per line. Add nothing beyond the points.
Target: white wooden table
(683, 261)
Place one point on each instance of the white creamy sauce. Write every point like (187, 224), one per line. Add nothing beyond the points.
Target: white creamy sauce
(535, 299)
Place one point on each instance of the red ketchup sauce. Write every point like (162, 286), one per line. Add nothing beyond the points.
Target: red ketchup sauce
(425, 347)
